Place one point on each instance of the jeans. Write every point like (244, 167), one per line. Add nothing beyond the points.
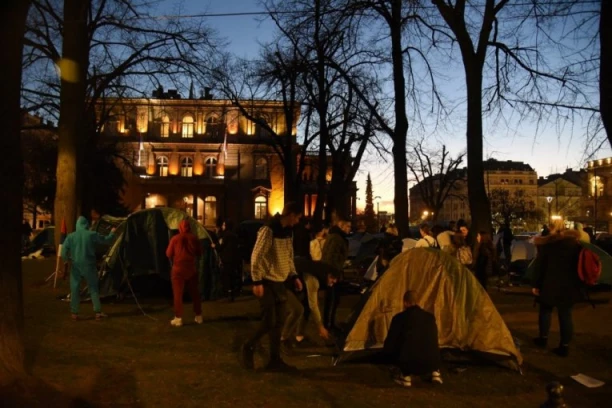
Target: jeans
(566, 327)
(294, 317)
(90, 274)
(273, 308)
(332, 299)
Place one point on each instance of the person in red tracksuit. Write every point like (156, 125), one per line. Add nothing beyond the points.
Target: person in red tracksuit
(183, 250)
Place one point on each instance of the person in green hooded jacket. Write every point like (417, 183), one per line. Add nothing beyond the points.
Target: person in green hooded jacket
(80, 248)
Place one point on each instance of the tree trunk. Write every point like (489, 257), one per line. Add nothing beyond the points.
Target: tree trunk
(12, 26)
(605, 68)
(71, 127)
(401, 123)
(477, 194)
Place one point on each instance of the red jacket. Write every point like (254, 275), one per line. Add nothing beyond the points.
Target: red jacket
(183, 250)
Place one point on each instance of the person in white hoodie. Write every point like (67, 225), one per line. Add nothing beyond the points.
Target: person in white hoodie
(427, 240)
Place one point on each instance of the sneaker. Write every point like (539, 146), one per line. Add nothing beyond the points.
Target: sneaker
(436, 377)
(403, 380)
(561, 351)
(540, 342)
(246, 357)
(100, 316)
(279, 366)
(176, 322)
(198, 319)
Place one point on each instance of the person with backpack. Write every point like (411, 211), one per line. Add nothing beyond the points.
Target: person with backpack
(556, 283)
(427, 240)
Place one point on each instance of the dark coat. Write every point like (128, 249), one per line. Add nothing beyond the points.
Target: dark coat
(556, 269)
(335, 250)
(485, 263)
(413, 341)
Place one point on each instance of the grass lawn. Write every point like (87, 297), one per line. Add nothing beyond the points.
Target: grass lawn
(132, 360)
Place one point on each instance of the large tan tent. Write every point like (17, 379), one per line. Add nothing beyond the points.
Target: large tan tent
(467, 318)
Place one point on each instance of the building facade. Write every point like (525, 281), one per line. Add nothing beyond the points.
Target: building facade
(516, 178)
(562, 195)
(597, 199)
(202, 155)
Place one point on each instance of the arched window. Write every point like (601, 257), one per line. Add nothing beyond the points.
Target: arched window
(210, 167)
(165, 126)
(210, 210)
(187, 126)
(162, 165)
(261, 207)
(261, 169)
(186, 167)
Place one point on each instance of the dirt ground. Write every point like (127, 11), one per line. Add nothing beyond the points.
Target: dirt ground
(136, 360)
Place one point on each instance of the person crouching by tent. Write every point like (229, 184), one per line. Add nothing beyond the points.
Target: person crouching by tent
(80, 248)
(412, 343)
(183, 251)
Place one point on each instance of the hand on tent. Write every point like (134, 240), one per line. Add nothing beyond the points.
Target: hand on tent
(535, 291)
(113, 230)
(258, 290)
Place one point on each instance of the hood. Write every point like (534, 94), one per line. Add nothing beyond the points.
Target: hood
(184, 227)
(82, 224)
(565, 234)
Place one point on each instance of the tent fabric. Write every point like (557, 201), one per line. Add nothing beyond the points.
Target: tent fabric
(522, 250)
(467, 318)
(140, 248)
(606, 265)
(408, 243)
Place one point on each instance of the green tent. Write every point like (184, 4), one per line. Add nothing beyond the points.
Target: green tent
(466, 317)
(606, 265)
(139, 251)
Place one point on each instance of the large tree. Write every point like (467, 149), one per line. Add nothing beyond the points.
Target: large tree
(12, 25)
(102, 48)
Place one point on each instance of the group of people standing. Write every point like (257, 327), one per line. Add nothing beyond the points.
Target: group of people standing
(476, 251)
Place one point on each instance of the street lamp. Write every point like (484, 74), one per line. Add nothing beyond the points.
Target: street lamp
(549, 200)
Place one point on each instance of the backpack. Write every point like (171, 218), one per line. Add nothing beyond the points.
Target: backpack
(589, 267)
(464, 255)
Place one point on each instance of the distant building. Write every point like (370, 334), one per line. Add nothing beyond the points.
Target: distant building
(203, 155)
(597, 199)
(506, 175)
(562, 195)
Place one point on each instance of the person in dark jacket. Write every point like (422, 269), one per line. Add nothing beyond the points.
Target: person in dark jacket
(556, 283)
(334, 255)
(412, 343)
(302, 235)
(80, 248)
(230, 261)
(183, 251)
(485, 258)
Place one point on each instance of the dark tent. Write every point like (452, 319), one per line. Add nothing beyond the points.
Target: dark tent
(138, 255)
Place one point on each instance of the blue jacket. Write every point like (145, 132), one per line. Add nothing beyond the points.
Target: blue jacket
(80, 245)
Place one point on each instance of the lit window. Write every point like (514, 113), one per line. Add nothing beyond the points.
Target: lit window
(165, 126)
(211, 165)
(186, 167)
(187, 126)
(210, 210)
(261, 169)
(261, 207)
(162, 164)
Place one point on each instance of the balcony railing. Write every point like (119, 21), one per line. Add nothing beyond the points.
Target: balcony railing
(198, 180)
